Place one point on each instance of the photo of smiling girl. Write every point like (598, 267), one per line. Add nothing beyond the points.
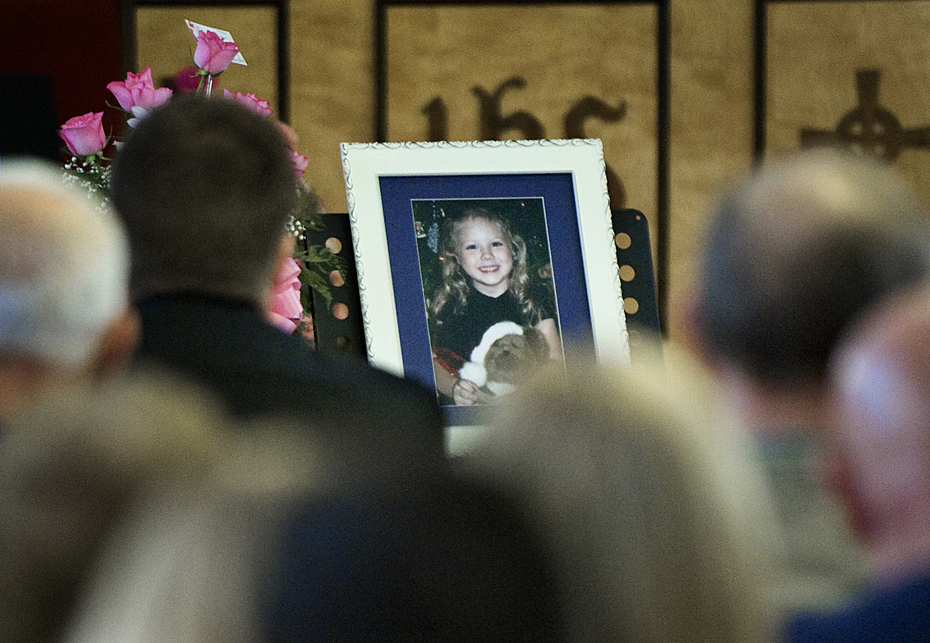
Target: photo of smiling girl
(485, 278)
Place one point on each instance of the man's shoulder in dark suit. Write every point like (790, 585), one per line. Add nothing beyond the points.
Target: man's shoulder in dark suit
(258, 370)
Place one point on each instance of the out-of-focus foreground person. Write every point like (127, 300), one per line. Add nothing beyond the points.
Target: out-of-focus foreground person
(882, 472)
(71, 467)
(183, 561)
(274, 545)
(795, 252)
(64, 298)
(654, 518)
(205, 188)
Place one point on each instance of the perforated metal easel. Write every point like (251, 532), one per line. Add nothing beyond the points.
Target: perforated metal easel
(637, 282)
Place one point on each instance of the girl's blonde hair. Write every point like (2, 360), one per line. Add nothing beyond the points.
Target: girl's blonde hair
(455, 283)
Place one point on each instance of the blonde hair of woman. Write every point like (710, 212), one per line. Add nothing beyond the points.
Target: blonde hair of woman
(654, 519)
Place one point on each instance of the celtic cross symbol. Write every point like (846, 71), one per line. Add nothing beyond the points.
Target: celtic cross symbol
(869, 127)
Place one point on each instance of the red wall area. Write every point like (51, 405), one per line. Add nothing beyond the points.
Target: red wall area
(74, 42)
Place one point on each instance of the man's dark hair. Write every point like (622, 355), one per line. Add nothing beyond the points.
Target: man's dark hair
(798, 250)
(204, 188)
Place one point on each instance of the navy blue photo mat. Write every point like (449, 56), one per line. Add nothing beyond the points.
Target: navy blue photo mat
(557, 192)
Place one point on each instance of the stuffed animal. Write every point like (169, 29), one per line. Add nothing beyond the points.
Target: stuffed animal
(507, 354)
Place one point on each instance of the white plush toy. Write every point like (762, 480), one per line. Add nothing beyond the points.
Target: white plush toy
(507, 354)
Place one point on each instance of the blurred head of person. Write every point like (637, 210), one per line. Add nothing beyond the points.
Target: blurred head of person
(653, 517)
(794, 252)
(881, 437)
(205, 188)
(64, 269)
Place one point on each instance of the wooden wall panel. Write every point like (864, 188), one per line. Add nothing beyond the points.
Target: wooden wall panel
(464, 57)
(473, 71)
(710, 138)
(811, 55)
(856, 73)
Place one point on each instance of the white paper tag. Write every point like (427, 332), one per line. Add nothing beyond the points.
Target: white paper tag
(225, 35)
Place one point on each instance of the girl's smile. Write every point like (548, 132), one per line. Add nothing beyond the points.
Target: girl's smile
(483, 251)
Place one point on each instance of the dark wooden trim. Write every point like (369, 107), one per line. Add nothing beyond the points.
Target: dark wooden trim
(825, 1)
(127, 27)
(760, 35)
(663, 125)
(516, 3)
(284, 61)
(380, 75)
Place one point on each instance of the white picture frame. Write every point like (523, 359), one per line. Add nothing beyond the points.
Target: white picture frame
(387, 182)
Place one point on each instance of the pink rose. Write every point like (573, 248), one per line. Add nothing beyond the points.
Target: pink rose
(286, 310)
(84, 134)
(260, 107)
(139, 91)
(213, 54)
(299, 162)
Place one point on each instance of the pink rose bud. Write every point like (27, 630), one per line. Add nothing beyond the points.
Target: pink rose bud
(213, 54)
(187, 80)
(286, 310)
(260, 107)
(138, 90)
(84, 134)
(299, 162)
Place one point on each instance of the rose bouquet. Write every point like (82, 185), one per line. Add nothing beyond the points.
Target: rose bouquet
(92, 150)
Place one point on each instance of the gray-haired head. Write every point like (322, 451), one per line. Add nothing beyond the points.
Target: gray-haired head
(64, 266)
(796, 251)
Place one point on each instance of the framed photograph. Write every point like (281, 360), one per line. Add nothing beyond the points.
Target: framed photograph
(452, 238)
